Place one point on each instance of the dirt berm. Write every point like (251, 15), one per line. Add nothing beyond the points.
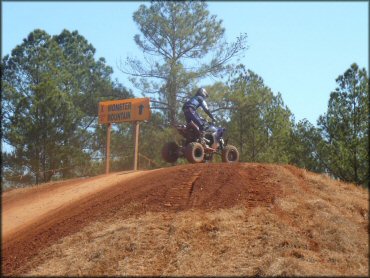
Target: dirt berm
(209, 219)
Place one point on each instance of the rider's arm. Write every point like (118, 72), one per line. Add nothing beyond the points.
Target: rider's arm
(205, 108)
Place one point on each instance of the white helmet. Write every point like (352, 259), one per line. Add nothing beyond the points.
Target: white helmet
(202, 92)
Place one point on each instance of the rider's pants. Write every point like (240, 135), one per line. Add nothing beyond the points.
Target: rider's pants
(192, 115)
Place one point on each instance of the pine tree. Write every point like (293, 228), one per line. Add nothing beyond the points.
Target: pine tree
(182, 43)
(344, 127)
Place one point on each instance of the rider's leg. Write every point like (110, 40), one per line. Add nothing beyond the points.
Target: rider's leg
(188, 115)
(192, 115)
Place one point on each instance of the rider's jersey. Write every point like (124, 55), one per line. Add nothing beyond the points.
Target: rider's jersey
(195, 102)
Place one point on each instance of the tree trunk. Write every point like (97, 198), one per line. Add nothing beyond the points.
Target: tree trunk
(172, 95)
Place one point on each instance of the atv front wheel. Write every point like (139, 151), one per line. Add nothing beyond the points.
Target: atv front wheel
(170, 152)
(230, 154)
(194, 152)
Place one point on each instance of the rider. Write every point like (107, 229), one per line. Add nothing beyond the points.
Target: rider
(192, 105)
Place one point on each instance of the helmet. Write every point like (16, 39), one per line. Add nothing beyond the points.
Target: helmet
(202, 92)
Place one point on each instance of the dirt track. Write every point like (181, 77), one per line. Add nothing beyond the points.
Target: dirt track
(40, 217)
(24, 208)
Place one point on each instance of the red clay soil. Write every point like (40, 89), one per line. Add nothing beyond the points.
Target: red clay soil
(205, 186)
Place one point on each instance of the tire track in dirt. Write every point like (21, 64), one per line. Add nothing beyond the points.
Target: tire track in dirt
(178, 196)
(191, 198)
(205, 186)
(191, 183)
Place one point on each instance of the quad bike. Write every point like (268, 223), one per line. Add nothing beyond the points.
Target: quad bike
(200, 146)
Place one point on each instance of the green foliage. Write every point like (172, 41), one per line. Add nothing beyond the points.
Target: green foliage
(305, 139)
(218, 102)
(153, 134)
(260, 123)
(344, 128)
(51, 89)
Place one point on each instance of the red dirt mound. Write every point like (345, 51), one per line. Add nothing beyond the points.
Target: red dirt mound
(206, 187)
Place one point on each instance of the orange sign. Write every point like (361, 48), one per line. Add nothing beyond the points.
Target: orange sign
(124, 110)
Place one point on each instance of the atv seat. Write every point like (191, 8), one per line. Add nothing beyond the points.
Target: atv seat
(192, 125)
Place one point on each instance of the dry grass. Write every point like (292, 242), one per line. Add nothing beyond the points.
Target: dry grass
(318, 227)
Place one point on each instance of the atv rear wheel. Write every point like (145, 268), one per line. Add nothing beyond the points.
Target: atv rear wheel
(230, 154)
(170, 152)
(194, 152)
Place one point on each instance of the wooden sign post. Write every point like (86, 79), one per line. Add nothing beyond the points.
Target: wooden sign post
(125, 110)
(107, 158)
(136, 144)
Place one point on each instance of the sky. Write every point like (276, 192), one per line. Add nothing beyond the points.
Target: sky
(298, 48)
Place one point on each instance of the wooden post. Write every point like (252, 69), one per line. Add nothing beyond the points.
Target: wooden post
(107, 159)
(136, 144)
